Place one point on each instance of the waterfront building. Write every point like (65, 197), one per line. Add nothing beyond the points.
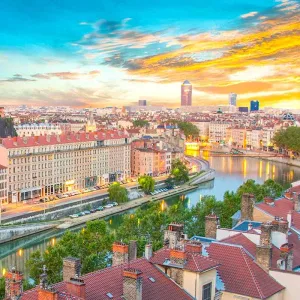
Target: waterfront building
(186, 93)
(45, 165)
(37, 129)
(203, 127)
(236, 137)
(254, 105)
(232, 99)
(3, 185)
(267, 138)
(217, 131)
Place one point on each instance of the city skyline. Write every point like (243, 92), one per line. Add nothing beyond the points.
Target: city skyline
(100, 54)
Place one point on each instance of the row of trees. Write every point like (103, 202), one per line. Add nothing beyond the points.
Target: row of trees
(93, 244)
(288, 139)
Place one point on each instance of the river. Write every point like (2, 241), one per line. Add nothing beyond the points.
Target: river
(231, 172)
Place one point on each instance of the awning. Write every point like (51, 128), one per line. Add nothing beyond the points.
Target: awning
(31, 189)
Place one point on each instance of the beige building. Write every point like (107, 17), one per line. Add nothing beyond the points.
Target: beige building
(217, 131)
(44, 165)
(3, 184)
(37, 129)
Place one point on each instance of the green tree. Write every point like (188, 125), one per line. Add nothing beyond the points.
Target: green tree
(288, 139)
(91, 245)
(118, 193)
(179, 171)
(140, 123)
(2, 288)
(147, 183)
(189, 129)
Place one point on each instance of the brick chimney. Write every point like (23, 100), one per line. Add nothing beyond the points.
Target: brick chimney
(193, 247)
(148, 251)
(132, 250)
(13, 284)
(132, 284)
(120, 253)
(177, 256)
(247, 205)
(76, 287)
(71, 268)
(296, 199)
(211, 225)
(264, 249)
(173, 235)
(286, 257)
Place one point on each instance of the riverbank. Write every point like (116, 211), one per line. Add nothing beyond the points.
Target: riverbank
(67, 222)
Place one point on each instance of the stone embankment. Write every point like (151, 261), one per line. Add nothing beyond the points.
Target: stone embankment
(15, 232)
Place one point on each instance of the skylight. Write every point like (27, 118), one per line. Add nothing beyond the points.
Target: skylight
(151, 279)
(109, 295)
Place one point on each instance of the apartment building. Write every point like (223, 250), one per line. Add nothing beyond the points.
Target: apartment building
(49, 164)
(37, 129)
(267, 138)
(203, 127)
(3, 184)
(236, 137)
(150, 161)
(217, 131)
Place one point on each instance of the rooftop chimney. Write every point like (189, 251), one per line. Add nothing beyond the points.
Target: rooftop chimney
(211, 226)
(177, 256)
(264, 249)
(13, 284)
(148, 251)
(132, 284)
(71, 268)
(132, 250)
(296, 199)
(285, 262)
(46, 292)
(193, 247)
(172, 236)
(247, 206)
(120, 253)
(76, 287)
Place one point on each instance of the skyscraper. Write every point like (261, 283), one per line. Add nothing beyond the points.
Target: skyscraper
(142, 102)
(254, 105)
(186, 93)
(232, 99)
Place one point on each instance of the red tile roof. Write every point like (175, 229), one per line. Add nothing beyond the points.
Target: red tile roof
(296, 220)
(240, 274)
(195, 262)
(65, 138)
(242, 240)
(110, 280)
(281, 208)
(293, 238)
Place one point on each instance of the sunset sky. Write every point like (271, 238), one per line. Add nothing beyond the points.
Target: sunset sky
(113, 53)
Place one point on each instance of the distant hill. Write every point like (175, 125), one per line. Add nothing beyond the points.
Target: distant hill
(7, 128)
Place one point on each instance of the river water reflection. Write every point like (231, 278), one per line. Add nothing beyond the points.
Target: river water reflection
(231, 172)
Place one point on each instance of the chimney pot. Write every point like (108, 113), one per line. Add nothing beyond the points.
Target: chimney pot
(132, 250)
(76, 287)
(193, 247)
(13, 284)
(120, 253)
(211, 226)
(247, 206)
(148, 251)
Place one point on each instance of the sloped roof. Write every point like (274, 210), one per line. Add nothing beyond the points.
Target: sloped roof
(195, 262)
(240, 274)
(110, 280)
(280, 208)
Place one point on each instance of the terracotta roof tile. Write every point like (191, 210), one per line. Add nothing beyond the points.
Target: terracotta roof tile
(240, 274)
(281, 208)
(110, 280)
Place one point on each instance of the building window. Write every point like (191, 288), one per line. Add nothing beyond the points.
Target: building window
(206, 292)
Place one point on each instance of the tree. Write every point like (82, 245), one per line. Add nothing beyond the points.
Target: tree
(140, 123)
(118, 193)
(91, 245)
(189, 129)
(179, 171)
(147, 183)
(288, 139)
(2, 288)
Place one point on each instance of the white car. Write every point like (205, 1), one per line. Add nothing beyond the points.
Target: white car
(108, 206)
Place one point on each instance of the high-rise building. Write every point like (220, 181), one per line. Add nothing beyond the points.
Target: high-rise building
(232, 99)
(142, 102)
(254, 105)
(243, 109)
(186, 93)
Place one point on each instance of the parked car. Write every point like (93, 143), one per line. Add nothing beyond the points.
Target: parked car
(74, 216)
(46, 199)
(115, 203)
(59, 196)
(100, 208)
(97, 187)
(93, 210)
(81, 214)
(108, 206)
(87, 212)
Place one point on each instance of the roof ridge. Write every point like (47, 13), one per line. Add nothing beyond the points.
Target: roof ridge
(198, 269)
(252, 274)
